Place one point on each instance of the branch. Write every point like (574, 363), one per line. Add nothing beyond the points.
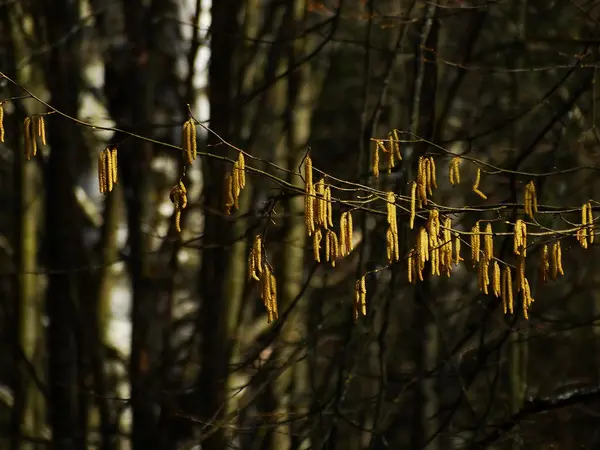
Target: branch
(531, 407)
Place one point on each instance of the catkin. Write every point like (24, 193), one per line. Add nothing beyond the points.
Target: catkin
(507, 291)
(556, 261)
(582, 232)
(520, 238)
(397, 145)
(422, 182)
(1, 121)
(317, 236)
(484, 279)
(321, 203)
(457, 257)
(346, 232)
(107, 170)
(475, 243)
(189, 140)
(446, 249)
(376, 158)
(41, 129)
(413, 198)
(329, 205)
(333, 250)
(360, 298)
(496, 280)
(488, 248)
(454, 173)
(309, 196)
(590, 221)
(476, 185)
(530, 201)
(520, 272)
(102, 180)
(178, 196)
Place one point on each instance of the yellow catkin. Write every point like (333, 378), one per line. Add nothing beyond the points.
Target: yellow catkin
(545, 263)
(102, 181)
(309, 196)
(457, 243)
(484, 279)
(488, 247)
(453, 171)
(1, 122)
(432, 172)
(178, 196)
(507, 291)
(115, 167)
(476, 185)
(376, 159)
(321, 203)
(389, 245)
(41, 129)
(189, 140)
(582, 232)
(520, 238)
(327, 247)
(530, 200)
(241, 161)
(273, 286)
(27, 133)
(475, 244)
(229, 197)
(556, 261)
(446, 249)
(110, 171)
(349, 233)
(590, 222)
(333, 250)
(422, 182)
(235, 185)
(428, 172)
(360, 298)
(496, 279)
(317, 236)
(397, 145)
(329, 205)
(346, 232)
(413, 198)
(391, 153)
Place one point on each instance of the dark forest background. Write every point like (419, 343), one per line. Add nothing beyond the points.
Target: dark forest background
(119, 332)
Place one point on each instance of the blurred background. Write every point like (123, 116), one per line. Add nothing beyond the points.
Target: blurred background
(118, 332)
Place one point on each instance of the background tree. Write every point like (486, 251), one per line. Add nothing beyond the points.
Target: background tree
(132, 320)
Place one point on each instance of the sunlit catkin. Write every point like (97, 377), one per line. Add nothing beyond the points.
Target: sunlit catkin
(41, 129)
(332, 251)
(520, 238)
(317, 237)
(189, 140)
(397, 145)
(476, 185)
(590, 221)
(114, 165)
(422, 182)
(360, 298)
(375, 161)
(309, 196)
(475, 244)
(453, 171)
(321, 204)
(329, 206)
(530, 200)
(496, 279)
(507, 291)
(413, 199)
(446, 248)
(178, 196)
(457, 243)
(488, 247)
(346, 232)
(102, 176)
(1, 122)
(556, 261)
